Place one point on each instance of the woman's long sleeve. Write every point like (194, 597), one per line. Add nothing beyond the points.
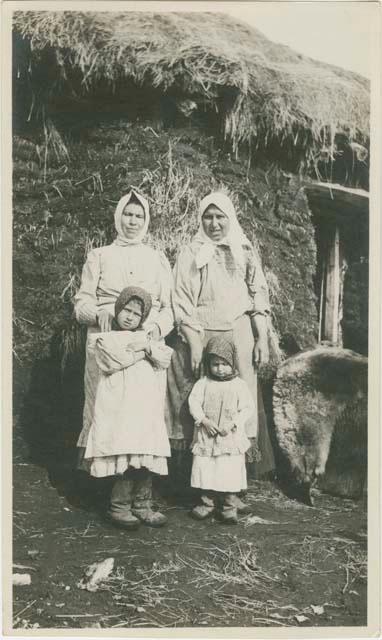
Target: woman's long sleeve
(85, 301)
(186, 290)
(165, 318)
(257, 285)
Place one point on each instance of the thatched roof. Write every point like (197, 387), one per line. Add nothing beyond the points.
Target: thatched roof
(267, 93)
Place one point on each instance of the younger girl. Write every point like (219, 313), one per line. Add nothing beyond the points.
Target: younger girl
(128, 436)
(220, 404)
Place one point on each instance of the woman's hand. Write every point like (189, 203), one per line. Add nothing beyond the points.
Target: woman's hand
(261, 352)
(104, 320)
(196, 353)
(195, 344)
(210, 426)
(260, 333)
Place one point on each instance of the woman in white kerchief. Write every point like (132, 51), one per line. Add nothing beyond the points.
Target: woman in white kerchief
(107, 271)
(219, 289)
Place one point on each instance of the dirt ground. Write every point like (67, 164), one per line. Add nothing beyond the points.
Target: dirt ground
(284, 564)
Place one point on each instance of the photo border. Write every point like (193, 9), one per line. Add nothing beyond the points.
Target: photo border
(373, 627)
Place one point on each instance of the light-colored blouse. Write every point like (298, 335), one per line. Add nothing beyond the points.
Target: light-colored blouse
(229, 404)
(217, 294)
(111, 268)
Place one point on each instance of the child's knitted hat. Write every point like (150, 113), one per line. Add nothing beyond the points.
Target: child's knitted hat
(223, 348)
(133, 292)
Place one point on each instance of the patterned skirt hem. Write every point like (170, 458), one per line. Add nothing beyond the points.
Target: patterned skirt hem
(101, 467)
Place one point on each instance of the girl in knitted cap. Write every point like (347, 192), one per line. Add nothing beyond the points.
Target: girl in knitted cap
(128, 436)
(128, 261)
(220, 404)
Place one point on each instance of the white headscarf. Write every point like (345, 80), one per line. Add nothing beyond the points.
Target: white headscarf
(121, 239)
(235, 237)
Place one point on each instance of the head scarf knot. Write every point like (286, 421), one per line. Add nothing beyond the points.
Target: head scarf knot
(235, 238)
(134, 292)
(121, 239)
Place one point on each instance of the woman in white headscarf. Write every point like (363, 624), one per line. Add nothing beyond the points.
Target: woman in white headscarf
(110, 269)
(219, 288)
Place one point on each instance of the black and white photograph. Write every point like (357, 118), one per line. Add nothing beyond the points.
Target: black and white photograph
(192, 233)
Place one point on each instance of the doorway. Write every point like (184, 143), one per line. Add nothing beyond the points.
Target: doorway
(341, 219)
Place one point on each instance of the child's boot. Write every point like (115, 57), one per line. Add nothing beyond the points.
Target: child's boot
(241, 506)
(142, 507)
(229, 509)
(205, 509)
(121, 503)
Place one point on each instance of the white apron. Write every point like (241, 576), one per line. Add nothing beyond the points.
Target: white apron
(128, 405)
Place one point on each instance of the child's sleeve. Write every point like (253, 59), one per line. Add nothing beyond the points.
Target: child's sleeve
(113, 358)
(245, 405)
(195, 401)
(160, 355)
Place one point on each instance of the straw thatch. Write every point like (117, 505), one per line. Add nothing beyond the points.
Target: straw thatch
(265, 94)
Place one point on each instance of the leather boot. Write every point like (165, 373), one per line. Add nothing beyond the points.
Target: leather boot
(121, 503)
(206, 508)
(142, 506)
(228, 513)
(242, 507)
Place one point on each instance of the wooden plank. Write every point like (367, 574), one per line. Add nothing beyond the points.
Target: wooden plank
(342, 200)
(332, 292)
(321, 312)
(334, 201)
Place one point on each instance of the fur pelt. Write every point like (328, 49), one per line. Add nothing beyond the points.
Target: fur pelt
(320, 416)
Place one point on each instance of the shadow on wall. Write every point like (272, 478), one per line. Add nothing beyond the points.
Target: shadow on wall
(50, 420)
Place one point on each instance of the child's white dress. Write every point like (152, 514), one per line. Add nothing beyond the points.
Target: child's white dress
(219, 461)
(128, 427)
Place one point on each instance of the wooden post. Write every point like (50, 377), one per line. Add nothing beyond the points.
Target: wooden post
(333, 289)
(321, 327)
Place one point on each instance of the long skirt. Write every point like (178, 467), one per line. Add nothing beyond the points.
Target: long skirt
(180, 382)
(91, 379)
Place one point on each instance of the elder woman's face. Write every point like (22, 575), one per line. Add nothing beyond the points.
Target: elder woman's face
(215, 223)
(132, 220)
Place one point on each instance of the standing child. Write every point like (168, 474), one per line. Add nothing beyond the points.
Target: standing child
(128, 436)
(220, 404)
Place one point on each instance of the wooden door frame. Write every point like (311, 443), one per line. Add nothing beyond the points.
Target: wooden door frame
(329, 204)
(331, 288)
